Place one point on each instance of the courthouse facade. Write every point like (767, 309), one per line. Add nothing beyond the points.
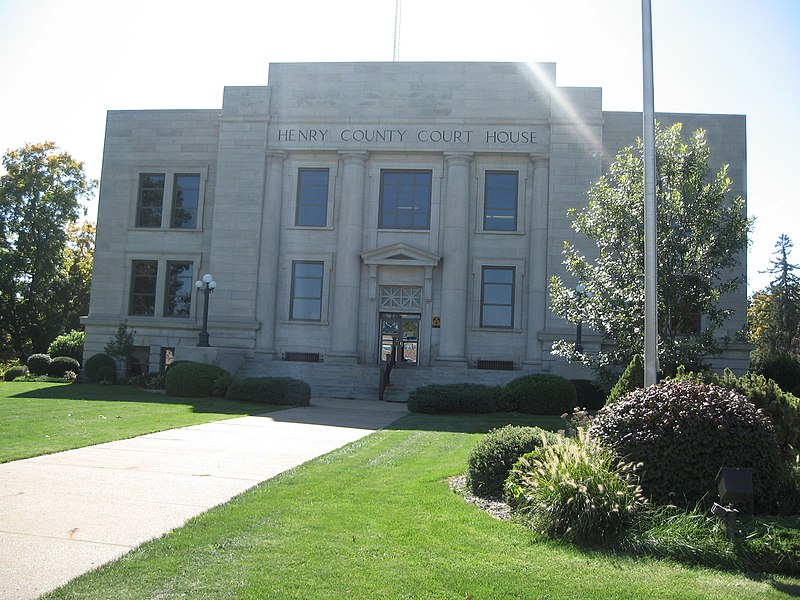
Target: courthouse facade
(352, 210)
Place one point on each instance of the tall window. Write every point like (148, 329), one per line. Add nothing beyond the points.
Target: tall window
(178, 289)
(144, 274)
(405, 200)
(497, 297)
(312, 198)
(151, 199)
(306, 299)
(500, 201)
(185, 199)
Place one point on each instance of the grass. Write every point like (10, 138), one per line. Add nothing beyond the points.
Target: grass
(376, 519)
(40, 418)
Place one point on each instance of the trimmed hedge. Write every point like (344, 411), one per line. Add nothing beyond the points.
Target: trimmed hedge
(678, 434)
(270, 390)
(38, 364)
(97, 363)
(542, 394)
(453, 398)
(492, 458)
(61, 364)
(13, 372)
(194, 380)
(68, 344)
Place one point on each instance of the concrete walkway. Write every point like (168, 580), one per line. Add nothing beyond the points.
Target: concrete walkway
(67, 513)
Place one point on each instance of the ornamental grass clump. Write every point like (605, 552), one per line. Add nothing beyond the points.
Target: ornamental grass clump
(574, 490)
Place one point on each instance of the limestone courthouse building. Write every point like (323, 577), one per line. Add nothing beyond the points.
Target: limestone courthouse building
(353, 211)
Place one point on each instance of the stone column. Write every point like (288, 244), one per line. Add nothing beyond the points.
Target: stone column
(455, 261)
(347, 265)
(537, 291)
(268, 267)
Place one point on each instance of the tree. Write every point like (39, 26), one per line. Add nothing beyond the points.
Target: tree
(71, 297)
(702, 232)
(774, 313)
(41, 192)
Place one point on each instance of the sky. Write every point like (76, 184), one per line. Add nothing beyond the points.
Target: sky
(64, 63)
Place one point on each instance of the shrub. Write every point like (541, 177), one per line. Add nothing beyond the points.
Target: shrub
(589, 394)
(38, 364)
(632, 378)
(68, 344)
(494, 455)
(453, 398)
(61, 364)
(192, 379)
(782, 408)
(575, 490)
(542, 394)
(13, 372)
(680, 433)
(97, 362)
(221, 385)
(106, 374)
(271, 390)
(782, 368)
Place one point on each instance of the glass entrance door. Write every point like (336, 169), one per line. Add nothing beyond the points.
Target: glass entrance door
(400, 338)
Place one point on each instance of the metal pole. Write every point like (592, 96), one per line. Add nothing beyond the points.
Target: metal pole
(578, 338)
(650, 228)
(204, 333)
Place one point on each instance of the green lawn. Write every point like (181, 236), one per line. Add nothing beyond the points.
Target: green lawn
(40, 418)
(376, 519)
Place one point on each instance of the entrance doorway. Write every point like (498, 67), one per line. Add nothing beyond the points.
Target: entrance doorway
(400, 338)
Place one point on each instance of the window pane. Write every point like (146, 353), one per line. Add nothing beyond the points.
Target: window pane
(185, 199)
(312, 198)
(500, 201)
(497, 297)
(405, 200)
(306, 300)
(143, 287)
(151, 199)
(178, 289)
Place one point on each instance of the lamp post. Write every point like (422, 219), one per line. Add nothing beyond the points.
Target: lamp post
(580, 295)
(206, 286)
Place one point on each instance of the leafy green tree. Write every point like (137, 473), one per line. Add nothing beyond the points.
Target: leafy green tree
(41, 192)
(702, 233)
(774, 313)
(71, 293)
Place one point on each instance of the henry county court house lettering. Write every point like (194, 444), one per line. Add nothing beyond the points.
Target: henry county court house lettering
(350, 210)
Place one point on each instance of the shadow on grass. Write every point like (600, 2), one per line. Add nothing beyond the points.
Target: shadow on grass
(120, 393)
(480, 423)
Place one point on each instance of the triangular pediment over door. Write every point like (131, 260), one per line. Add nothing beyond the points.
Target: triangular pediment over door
(400, 254)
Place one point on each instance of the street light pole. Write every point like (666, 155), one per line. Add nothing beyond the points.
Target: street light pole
(206, 287)
(580, 295)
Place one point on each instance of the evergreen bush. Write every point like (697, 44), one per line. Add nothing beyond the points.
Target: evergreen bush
(493, 456)
(61, 364)
(680, 433)
(453, 398)
(782, 368)
(97, 362)
(271, 390)
(106, 374)
(542, 394)
(16, 371)
(68, 344)
(632, 378)
(192, 379)
(38, 364)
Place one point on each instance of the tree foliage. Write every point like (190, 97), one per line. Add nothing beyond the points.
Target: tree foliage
(774, 313)
(702, 233)
(41, 192)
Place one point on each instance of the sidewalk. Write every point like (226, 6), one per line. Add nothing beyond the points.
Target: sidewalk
(67, 513)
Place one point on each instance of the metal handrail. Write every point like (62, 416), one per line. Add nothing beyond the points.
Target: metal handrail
(386, 373)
